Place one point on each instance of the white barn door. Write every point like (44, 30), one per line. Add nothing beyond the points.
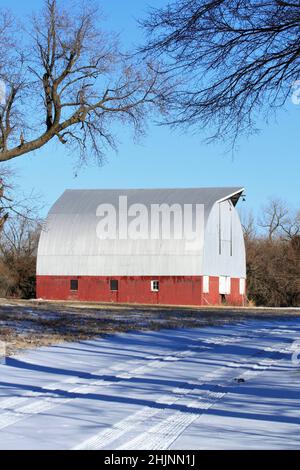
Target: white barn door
(224, 285)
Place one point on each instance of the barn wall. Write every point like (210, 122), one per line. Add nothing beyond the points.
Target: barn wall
(214, 297)
(174, 290)
(224, 246)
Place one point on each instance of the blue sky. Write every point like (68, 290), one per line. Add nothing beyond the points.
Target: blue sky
(267, 165)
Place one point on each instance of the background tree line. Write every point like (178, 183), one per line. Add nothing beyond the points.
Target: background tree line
(273, 255)
(20, 227)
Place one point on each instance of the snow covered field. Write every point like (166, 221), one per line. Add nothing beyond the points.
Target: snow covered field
(226, 387)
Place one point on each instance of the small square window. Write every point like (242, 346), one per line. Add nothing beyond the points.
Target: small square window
(114, 284)
(74, 284)
(154, 286)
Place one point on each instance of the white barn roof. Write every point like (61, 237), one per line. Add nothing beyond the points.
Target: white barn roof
(83, 201)
(69, 244)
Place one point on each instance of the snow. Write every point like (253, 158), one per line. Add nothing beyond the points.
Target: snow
(227, 387)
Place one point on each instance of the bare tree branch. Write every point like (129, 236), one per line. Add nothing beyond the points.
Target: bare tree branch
(279, 221)
(13, 203)
(236, 59)
(73, 86)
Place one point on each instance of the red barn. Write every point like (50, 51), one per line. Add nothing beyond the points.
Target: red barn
(146, 246)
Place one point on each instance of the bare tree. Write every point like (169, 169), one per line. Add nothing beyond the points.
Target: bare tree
(13, 202)
(236, 59)
(279, 221)
(5, 201)
(273, 256)
(18, 250)
(274, 215)
(248, 225)
(290, 228)
(3, 214)
(70, 81)
(21, 235)
(20, 226)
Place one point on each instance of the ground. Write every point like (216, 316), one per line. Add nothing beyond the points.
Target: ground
(28, 324)
(233, 385)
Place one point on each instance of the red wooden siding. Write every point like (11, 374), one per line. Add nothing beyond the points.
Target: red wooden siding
(173, 290)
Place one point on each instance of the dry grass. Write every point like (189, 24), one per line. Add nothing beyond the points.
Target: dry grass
(32, 324)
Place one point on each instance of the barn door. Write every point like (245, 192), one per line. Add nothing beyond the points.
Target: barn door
(224, 286)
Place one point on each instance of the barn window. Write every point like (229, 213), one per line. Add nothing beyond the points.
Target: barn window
(154, 286)
(74, 284)
(242, 286)
(114, 284)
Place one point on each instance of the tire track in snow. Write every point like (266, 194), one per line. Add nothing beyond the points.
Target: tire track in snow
(163, 434)
(105, 437)
(156, 362)
(108, 435)
(22, 410)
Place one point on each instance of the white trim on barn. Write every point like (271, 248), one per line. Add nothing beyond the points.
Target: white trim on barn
(205, 287)
(242, 286)
(224, 285)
